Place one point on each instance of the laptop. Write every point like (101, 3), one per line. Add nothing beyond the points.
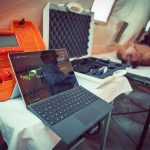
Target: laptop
(50, 90)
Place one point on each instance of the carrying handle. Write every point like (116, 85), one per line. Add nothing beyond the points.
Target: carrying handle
(75, 7)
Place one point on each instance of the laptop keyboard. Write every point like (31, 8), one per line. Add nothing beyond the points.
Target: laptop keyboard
(58, 107)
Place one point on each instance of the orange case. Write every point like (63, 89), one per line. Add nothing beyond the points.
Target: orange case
(30, 39)
(29, 35)
(4, 62)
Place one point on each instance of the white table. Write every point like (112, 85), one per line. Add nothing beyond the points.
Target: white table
(22, 130)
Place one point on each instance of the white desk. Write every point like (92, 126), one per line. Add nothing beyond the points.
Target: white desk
(24, 131)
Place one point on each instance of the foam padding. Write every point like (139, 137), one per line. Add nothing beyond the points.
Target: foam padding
(69, 30)
(91, 65)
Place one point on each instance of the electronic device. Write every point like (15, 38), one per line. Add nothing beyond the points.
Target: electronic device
(22, 35)
(9, 43)
(74, 31)
(50, 90)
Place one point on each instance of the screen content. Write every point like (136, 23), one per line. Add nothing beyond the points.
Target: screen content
(8, 41)
(43, 74)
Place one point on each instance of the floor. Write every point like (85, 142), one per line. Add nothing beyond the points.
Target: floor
(125, 129)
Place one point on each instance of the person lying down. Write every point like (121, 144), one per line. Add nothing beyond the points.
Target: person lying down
(134, 54)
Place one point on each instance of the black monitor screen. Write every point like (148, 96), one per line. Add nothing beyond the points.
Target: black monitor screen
(43, 74)
(8, 40)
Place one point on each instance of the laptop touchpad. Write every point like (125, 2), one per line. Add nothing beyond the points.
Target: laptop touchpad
(87, 115)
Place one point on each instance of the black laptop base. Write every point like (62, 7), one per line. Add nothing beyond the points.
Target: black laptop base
(91, 65)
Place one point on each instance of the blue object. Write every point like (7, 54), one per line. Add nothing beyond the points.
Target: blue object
(101, 71)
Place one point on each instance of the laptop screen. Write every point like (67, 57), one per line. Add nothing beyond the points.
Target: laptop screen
(42, 74)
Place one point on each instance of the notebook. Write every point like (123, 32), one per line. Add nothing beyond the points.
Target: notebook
(50, 90)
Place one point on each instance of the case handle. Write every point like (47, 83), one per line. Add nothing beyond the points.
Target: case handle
(75, 7)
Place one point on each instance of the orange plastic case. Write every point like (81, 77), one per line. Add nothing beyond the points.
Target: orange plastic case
(29, 35)
(29, 39)
(6, 87)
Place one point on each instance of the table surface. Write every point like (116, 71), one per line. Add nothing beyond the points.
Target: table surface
(22, 130)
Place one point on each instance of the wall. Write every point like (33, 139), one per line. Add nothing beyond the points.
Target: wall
(28, 9)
